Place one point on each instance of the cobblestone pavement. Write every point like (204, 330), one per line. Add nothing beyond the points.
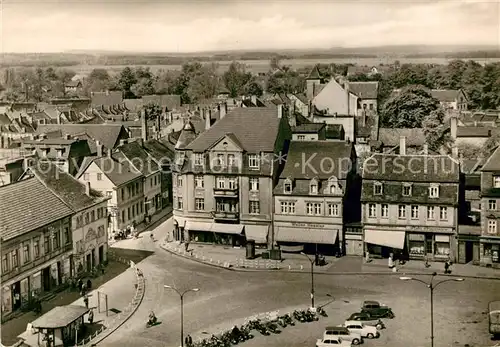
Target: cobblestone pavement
(227, 296)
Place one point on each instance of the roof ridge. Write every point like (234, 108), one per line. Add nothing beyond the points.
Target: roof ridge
(51, 190)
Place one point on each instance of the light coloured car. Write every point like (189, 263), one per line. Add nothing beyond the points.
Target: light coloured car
(333, 341)
(343, 333)
(364, 330)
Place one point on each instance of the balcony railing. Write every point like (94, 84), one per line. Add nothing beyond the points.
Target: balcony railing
(227, 191)
(223, 215)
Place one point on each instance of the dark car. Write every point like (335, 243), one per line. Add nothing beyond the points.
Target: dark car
(376, 310)
(367, 320)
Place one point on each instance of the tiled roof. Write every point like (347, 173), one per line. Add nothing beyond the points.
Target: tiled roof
(73, 83)
(170, 101)
(472, 131)
(139, 158)
(411, 168)
(188, 134)
(302, 98)
(364, 90)
(116, 168)
(28, 205)
(301, 120)
(107, 134)
(334, 131)
(310, 128)
(326, 158)
(445, 95)
(493, 162)
(106, 98)
(256, 128)
(248, 103)
(391, 136)
(159, 151)
(134, 105)
(314, 74)
(65, 186)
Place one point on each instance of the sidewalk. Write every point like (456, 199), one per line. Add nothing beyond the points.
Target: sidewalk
(234, 259)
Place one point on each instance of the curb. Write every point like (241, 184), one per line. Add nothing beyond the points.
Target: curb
(136, 302)
(359, 273)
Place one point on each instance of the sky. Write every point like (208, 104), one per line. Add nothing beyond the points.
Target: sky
(208, 25)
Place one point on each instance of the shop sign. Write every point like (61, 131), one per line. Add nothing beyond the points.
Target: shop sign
(308, 225)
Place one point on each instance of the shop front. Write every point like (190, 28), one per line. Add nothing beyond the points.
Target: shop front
(257, 233)
(490, 251)
(353, 239)
(179, 224)
(308, 237)
(468, 244)
(215, 233)
(434, 247)
(383, 243)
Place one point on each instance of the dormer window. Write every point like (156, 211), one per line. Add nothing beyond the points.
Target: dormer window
(496, 181)
(377, 188)
(406, 189)
(333, 185)
(313, 187)
(253, 161)
(198, 159)
(434, 191)
(287, 187)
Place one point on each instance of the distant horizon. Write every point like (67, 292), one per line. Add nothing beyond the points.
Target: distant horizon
(199, 26)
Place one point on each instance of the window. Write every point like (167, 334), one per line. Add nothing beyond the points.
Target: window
(314, 208)
(5, 264)
(333, 210)
(56, 240)
(199, 204)
(231, 160)
(287, 188)
(179, 182)
(66, 236)
(496, 181)
(401, 211)
(377, 189)
(198, 159)
(14, 258)
(492, 226)
(254, 207)
(109, 193)
(492, 205)
(407, 190)
(180, 205)
(253, 161)
(313, 187)
(372, 210)
(123, 194)
(92, 216)
(434, 191)
(443, 213)
(36, 248)
(86, 176)
(414, 212)
(99, 176)
(232, 183)
(221, 182)
(301, 137)
(430, 213)
(287, 207)
(384, 211)
(198, 181)
(220, 159)
(370, 106)
(46, 244)
(26, 253)
(123, 216)
(254, 184)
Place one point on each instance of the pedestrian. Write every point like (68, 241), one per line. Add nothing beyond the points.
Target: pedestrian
(84, 290)
(91, 316)
(391, 262)
(86, 301)
(80, 284)
(367, 256)
(187, 246)
(89, 284)
(447, 266)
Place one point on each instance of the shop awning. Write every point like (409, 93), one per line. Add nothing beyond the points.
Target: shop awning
(258, 233)
(235, 229)
(198, 226)
(304, 235)
(393, 239)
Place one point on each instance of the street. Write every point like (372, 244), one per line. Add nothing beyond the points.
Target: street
(227, 297)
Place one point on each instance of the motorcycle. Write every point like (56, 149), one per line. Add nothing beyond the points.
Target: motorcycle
(152, 321)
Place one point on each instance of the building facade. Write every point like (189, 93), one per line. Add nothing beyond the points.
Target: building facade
(410, 205)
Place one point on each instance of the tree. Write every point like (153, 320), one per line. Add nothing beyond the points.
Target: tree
(166, 82)
(490, 145)
(236, 78)
(152, 111)
(144, 86)
(98, 80)
(408, 108)
(204, 84)
(126, 80)
(254, 88)
(435, 131)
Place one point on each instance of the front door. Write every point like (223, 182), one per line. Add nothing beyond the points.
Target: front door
(16, 295)
(59, 273)
(93, 258)
(101, 254)
(428, 245)
(46, 279)
(89, 262)
(469, 254)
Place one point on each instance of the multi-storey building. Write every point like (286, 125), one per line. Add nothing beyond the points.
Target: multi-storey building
(489, 241)
(410, 205)
(223, 179)
(116, 178)
(89, 223)
(36, 242)
(310, 196)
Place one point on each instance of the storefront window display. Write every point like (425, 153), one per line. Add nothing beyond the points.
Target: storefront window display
(442, 245)
(416, 244)
(492, 251)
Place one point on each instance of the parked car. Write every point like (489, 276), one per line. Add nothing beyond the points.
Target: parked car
(343, 333)
(362, 329)
(333, 341)
(377, 310)
(367, 320)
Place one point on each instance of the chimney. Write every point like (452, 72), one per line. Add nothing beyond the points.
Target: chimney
(158, 127)
(346, 86)
(223, 110)
(87, 188)
(67, 136)
(426, 149)
(402, 145)
(144, 126)
(207, 119)
(363, 119)
(453, 127)
(254, 99)
(99, 149)
(280, 111)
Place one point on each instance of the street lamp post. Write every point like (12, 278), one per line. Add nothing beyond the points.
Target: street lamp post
(181, 295)
(312, 277)
(431, 285)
